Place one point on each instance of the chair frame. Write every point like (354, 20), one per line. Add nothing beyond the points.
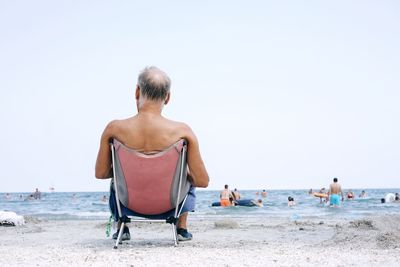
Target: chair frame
(173, 221)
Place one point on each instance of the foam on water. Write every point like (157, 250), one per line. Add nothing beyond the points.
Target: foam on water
(89, 205)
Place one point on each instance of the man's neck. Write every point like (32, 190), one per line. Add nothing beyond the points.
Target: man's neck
(149, 107)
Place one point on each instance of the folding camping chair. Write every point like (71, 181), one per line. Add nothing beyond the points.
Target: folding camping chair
(149, 187)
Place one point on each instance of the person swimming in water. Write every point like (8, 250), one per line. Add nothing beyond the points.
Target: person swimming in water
(258, 203)
(322, 199)
(334, 193)
(291, 202)
(264, 193)
(350, 195)
(30, 197)
(363, 194)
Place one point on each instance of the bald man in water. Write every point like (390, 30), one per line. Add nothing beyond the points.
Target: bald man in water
(148, 132)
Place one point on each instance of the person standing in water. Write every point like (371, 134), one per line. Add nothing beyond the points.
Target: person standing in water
(37, 194)
(333, 194)
(226, 196)
(236, 194)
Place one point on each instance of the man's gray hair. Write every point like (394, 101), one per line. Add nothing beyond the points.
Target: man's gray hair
(154, 84)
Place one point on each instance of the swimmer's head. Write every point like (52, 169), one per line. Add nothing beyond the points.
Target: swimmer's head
(382, 200)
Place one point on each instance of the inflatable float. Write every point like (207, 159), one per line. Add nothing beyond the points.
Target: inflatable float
(9, 218)
(390, 197)
(241, 202)
(322, 195)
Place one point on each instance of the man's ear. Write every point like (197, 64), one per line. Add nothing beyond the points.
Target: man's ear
(137, 93)
(167, 98)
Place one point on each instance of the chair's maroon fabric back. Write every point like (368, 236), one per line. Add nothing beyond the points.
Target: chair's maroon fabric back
(148, 178)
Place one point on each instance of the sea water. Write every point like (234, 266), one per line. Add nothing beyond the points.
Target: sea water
(90, 205)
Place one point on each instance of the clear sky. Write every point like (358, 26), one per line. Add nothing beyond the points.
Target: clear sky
(281, 94)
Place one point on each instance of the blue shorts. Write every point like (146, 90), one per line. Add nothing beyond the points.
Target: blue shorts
(335, 199)
(189, 205)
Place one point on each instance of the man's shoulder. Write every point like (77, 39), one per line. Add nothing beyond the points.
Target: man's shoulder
(180, 128)
(178, 124)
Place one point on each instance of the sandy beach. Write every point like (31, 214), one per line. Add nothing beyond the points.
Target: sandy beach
(370, 241)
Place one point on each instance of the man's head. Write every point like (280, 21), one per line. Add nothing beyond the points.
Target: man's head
(335, 180)
(153, 84)
(226, 186)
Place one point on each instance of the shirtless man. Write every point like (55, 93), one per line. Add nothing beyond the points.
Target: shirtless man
(236, 194)
(148, 131)
(264, 193)
(37, 194)
(333, 194)
(226, 196)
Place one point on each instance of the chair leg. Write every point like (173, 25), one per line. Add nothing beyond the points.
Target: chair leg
(175, 235)
(121, 230)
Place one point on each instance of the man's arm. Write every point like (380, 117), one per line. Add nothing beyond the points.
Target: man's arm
(104, 162)
(198, 172)
(341, 192)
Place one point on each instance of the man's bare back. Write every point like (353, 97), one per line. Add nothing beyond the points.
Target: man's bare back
(335, 188)
(149, 133)
(225, 194)
(334, 191)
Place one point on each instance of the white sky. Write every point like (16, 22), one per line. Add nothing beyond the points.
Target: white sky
(281, 94)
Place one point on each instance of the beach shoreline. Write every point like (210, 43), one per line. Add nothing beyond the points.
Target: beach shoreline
(251, 241)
